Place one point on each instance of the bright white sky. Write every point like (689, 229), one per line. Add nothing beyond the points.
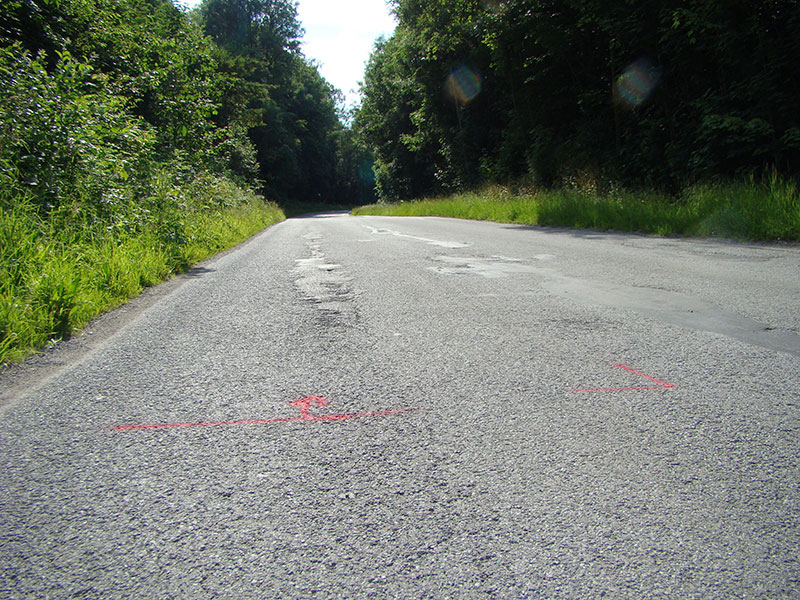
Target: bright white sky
(339, 36)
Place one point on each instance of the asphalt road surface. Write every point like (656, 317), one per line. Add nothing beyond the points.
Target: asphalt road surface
(369, 407)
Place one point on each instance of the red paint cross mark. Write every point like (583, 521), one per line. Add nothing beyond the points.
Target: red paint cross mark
(662, 385)
(304, 404)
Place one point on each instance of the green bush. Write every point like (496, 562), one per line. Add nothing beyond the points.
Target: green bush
(66, 136)
(90, 212)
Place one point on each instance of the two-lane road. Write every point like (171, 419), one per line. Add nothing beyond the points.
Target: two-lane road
(368, 407)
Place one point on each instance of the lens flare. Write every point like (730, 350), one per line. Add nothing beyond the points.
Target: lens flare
(463, 84)
(638, 81)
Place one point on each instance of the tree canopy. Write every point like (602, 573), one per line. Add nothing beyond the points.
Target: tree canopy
(649, 92)
(224, 91)
(646, 92)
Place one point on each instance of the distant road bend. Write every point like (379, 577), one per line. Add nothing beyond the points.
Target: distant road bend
(374, 407)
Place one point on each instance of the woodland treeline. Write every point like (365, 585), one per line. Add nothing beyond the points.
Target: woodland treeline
(652, 93)
(105, 100)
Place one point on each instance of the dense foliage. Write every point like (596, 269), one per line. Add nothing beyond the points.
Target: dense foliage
(224, 91)
(292, 110)
(645, 92)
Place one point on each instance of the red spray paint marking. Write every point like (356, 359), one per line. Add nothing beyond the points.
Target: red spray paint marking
(304, 404)
(662, 385)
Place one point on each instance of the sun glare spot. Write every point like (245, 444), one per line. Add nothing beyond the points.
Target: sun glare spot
(495, 6)
(463, 84)
(638, 81)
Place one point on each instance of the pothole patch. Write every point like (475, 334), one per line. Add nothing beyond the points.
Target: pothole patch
(491, 268)
(325, 285)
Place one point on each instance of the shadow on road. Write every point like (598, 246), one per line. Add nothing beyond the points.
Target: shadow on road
(198, 271)
(326, 214)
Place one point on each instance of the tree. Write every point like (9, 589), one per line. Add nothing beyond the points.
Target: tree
(645, 92)
(263, 29)
(292, 119)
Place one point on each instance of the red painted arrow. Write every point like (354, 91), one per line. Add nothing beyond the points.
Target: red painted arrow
(304, 404)
(662, 385)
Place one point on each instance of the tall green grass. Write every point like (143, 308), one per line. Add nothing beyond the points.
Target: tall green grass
(59, 271)
(748, 210)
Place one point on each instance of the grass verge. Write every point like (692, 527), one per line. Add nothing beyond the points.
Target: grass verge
(60, 271)
(750, 210)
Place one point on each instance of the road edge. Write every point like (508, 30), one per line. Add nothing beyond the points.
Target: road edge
(19, 380)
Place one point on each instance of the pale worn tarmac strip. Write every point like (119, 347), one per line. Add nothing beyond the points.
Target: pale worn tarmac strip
(368, 407)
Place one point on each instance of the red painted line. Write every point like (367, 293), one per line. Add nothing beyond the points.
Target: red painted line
(662, 385)
(304, 404)
(205, 424)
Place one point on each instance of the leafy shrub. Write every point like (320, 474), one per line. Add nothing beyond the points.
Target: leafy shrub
(67, 137)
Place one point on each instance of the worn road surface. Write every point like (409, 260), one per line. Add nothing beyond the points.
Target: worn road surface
(369, 407)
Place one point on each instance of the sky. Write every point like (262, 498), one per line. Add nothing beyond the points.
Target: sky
(339, 37)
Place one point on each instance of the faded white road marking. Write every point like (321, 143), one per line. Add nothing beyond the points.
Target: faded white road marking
(383, 231)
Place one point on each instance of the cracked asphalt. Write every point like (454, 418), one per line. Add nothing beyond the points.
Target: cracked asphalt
(374, 407)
